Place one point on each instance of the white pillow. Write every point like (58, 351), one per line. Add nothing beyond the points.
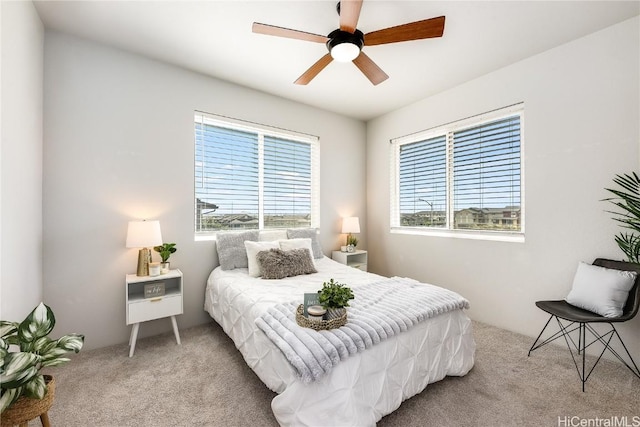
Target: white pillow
(289, 244)
(252, 251)
(601, 290)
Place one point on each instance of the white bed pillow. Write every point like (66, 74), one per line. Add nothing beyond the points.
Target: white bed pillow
(290, 244)
(601, 290)
(252, 249)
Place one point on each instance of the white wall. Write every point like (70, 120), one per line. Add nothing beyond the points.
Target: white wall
(581, 127)
(119, 146)
(21, 159)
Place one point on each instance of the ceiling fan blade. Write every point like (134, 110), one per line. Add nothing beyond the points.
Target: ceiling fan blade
(426, 29)
(313, 71)
(349, 14)
(272, 30)
(370, 69)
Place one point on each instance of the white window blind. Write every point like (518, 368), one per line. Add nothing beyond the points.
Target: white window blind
(486, 176)
(287, 183)
(463, 176)
(250, 176)
(423, 183)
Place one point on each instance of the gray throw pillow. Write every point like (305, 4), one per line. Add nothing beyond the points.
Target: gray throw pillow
(307, 233)
(278, 264)
(231, 251)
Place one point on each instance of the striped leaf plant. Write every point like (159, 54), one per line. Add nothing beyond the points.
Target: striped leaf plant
(25, 349)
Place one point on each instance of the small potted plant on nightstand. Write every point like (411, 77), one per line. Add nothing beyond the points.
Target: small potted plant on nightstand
(352, 242)
(335, 297)
(165, 250)
(25, 349)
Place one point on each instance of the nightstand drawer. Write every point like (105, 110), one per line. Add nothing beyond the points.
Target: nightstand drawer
(154, 308)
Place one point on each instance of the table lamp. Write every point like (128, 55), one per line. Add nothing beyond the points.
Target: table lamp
(143, 234)
(350, 225)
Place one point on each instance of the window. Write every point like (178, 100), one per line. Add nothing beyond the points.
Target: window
(464, 178)
(249, 176)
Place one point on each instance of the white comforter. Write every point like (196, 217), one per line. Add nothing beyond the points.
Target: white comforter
(358, 391)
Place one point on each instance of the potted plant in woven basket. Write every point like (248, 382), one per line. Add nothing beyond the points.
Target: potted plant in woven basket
(25, 349)
(335, 297)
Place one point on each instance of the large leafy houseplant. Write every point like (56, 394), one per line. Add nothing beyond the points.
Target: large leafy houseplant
(627, 199)
(25, 349)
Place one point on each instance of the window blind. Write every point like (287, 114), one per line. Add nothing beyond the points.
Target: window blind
(486, 175)
(465, 175)
(227, 168)
(287, 183)
(249, 176)
(422, 183)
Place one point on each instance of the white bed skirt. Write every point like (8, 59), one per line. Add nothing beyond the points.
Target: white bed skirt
(360, 390)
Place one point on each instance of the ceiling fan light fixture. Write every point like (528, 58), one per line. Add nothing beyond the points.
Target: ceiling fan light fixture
(344, 46)
(345, 52)
(345, 43)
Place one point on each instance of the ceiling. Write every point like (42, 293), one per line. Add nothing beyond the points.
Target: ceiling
(215, 38)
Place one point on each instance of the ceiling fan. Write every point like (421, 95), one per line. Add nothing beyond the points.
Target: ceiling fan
(345, 44)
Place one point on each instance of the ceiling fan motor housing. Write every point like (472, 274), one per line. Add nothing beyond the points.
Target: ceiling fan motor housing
(337, 37)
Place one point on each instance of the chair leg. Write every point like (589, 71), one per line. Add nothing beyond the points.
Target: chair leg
(584, 354)
(580, 339)
(634, 369)
(582, 345)
(636, 372)
(562, 331)
(533, 346)
(581, 348)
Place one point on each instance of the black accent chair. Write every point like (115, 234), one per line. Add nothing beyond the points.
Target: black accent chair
(581, 321)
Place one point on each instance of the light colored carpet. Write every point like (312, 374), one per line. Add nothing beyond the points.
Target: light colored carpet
(205, 382)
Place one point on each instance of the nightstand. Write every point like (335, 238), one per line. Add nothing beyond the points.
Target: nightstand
(144, 302)
(356, 259)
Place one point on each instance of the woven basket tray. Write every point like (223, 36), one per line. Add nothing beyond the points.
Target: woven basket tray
(321, 325)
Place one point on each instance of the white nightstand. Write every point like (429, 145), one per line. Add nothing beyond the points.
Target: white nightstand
(141, 309)
(356, 259)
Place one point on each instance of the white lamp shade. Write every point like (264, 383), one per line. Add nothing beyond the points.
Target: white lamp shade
(143, 234)
(351, 225)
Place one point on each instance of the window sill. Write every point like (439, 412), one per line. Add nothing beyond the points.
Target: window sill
(498, 236)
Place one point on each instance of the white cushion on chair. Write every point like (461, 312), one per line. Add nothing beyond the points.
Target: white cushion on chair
(601, 290)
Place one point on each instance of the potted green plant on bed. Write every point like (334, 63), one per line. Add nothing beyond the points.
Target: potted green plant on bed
(165, 250)
(334, 297)
(25, 349)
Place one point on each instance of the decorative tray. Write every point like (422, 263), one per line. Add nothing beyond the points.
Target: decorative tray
(319, 325)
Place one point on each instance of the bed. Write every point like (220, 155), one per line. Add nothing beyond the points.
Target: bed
(357, 391)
